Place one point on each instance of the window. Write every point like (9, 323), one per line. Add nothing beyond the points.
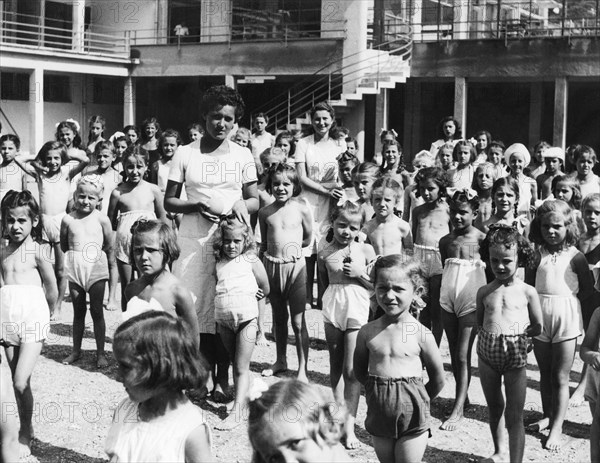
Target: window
(14, 86)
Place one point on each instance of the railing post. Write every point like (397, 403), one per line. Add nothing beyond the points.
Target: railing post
(498, 18)
(564, 17)
(289, 110)
(329, 87)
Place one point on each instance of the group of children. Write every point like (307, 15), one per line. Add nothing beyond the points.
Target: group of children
(401, 257)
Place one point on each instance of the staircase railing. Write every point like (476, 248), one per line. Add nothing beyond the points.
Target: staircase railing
(350, 69)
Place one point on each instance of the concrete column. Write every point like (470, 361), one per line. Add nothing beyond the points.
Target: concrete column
(79, 26)
(535, 113)
(215, 20)
(381, 116)
(162, 22)
(411, 140)
(36, 109)
(230, 81)
(561, 91)
(415, 18)
(129, 102)
(460, 102)
(461, 20)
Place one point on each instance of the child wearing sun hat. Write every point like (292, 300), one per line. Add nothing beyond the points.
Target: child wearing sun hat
(517, 158)
(554, 158)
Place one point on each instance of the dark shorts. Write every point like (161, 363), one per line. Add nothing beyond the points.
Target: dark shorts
(396, 407)
(502, 352)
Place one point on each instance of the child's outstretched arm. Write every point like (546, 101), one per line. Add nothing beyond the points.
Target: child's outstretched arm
(361, 356)
(535, 312)
(29, 168)
(589, 347)
(108, 247)
(432, 361)
(47, 274)
(77, 155)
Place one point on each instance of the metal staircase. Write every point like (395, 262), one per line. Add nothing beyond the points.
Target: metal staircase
(366, 72)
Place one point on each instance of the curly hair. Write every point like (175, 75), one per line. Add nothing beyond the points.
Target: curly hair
(218, 96)
(166, 238)
(513, 185)
(73, 128)
(314, 407)
(244, 132)
(287, 170)
(507, 236)
(25, 198)
(573, 184)
(460, 197)
(231, 223)
(411, 267)
(554, 206)
(592, 197)
(436, 174)
(164, 351)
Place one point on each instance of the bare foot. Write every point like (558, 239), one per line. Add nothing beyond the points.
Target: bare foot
(277, 367)
(72, 358)
(25, 440)
(261, 340)
(351, 442)
(553, 443)
(452, 423)
(232, 421)
(55, 315)
(101, 361)
(496, 458)
(539, 425)
(577, 399)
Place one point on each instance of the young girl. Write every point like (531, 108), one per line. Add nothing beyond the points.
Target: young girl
(517, 158)
(67, 132)
(386, 232)
(537, 167)
(195, 132)
(431, 221)
(132, 200)
(411, 198)
(561, 276)
(393, 166)
(482, 141)
(483, 182)
(168, 143)
(346, 164)
(120, 143)
(463, 274)
(342, 269)
(11, 176)
(158, 359)
(28, 290)
(464, 155)
(312, 438)
(585, 160)
(444, 158)
(240, 275)
(96, 126)
(150, 139)
(363, 177)
(508, 313)
(53, 177)
(496, 157)
(132, 134)
(505, 197)
(566, 188)
(554, 158)
(590, 354)
(243, 137)
(389, 362)
(449, 132)
(285, 142)
(385, 135)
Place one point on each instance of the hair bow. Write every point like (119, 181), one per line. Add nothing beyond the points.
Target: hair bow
(504, 226)
(468, 192)
(72, 121)
(257, 389)
(115, 135)
(389, 130)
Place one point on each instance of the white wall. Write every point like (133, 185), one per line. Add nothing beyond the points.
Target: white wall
(140, 17)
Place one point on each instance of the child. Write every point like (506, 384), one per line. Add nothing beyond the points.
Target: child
(53, 177)
(132, 200)
(585, 160)
(517, 158)
(385, 135)
(566, 188)
(86, 240)
(561, 276)
(240, 275)
(449, 132)
(346, 164)
(388, 233)
(104, 171)
(28, 289)
(431, 221)
(363, 177)
(464, 155)
(393, 166)
(261, 139)
(67, 132)
(158, 359)
(389, 359)
(508, 313)
(150, 139)
(195, 132)
(482, 141)
(342, 267)
(285, 142)
(590, 354)
(286, 228)
(312, 438)
(120, 144)
(169, 142)
(9, 425)
(242, 137)
(496, 157)
(463, 274)
(11, 176)
(411, 198)
(505, 197)
(96, 126)
(537, 167)
(483, 182)
(352, 146)
(132, 134)
(444, 158)
(554, 158)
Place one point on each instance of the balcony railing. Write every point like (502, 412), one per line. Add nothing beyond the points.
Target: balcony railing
(245, 25)
(30, 32)
(503, 19)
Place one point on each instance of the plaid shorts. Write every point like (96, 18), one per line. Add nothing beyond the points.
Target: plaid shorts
(502, 352)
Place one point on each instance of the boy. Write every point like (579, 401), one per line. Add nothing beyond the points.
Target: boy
(261, 139)
(398, 403)
(286, 227)
(11, 175)
(554, 159)
(103, 170)
(86, 240)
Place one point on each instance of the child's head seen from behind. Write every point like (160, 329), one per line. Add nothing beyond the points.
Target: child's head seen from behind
(271, 157)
